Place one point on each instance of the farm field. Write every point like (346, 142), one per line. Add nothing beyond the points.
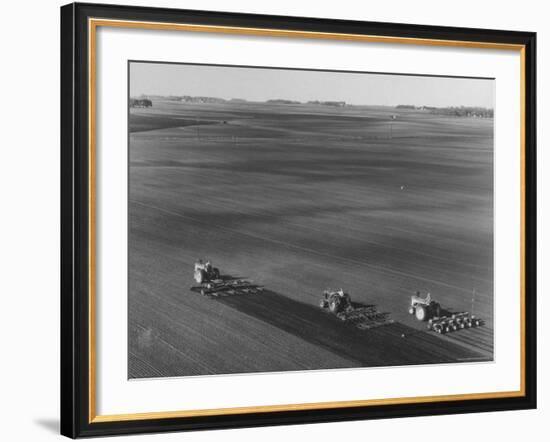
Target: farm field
(299, 198)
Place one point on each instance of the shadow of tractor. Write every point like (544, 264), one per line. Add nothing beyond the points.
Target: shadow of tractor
(381, 346)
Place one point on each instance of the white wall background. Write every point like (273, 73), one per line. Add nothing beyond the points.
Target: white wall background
(29, 218)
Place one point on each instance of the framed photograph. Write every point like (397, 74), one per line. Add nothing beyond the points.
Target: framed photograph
(275, 220)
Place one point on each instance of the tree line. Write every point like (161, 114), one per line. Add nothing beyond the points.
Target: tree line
(457, 111)
(140, 102)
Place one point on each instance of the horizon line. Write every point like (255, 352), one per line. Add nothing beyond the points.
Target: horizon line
(289, 101)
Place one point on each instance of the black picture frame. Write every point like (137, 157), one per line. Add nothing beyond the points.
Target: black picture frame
(75, 220)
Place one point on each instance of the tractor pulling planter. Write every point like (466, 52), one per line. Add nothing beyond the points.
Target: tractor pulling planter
(426, 309)
(365, 317)
(338, 303)
(211, 284)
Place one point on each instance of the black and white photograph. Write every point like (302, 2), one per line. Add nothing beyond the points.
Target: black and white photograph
(288, 220)
(274, 221)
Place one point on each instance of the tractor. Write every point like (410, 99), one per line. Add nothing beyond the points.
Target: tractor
(204, 272)
(335, 301)
(424, 308)
(364, 317)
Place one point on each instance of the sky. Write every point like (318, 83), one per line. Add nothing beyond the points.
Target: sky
(261, 84)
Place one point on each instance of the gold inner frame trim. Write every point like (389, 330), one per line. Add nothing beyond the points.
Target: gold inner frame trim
(93, 24)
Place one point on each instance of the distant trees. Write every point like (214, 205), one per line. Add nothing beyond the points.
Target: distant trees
(328, 103)
(454, 111)
(466, 111)
(282, 101)
(317, 102)
(140, 102)
(201, 100)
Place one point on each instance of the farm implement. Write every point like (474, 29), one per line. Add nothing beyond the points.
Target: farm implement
(211, 284)
(454, 322)
(426, 309)
(338, 303)
(220, 288)
(363, 317)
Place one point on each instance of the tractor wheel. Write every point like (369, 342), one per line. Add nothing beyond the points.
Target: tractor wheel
(323, 304)
(215, 273)
(436, 309)
(199, 276)
(421, 313)
(411, 310)
(334, 304)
